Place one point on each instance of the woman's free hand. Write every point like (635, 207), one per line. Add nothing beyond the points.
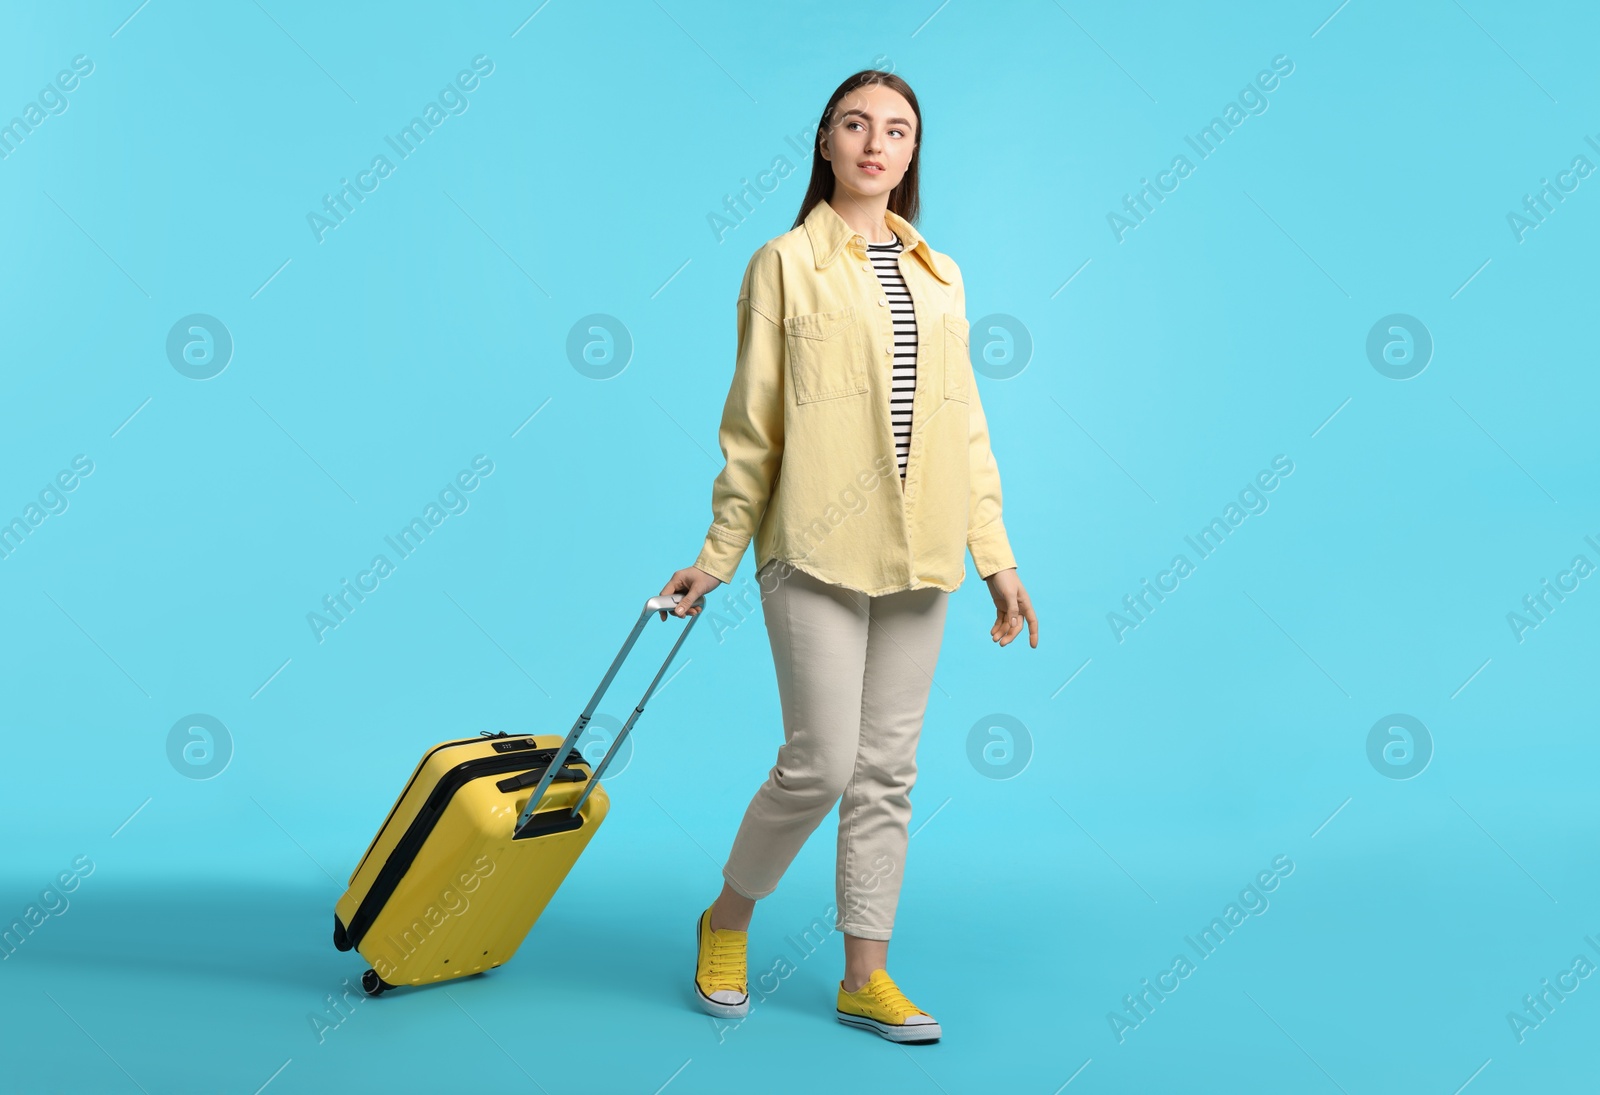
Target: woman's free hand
(1012, 606)
(693, 583)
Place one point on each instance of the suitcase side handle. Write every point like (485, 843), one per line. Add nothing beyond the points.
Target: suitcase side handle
(530, 777)
(651, 607)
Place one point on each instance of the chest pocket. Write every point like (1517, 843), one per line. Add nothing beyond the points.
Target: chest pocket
(825, 359)
(957, 356)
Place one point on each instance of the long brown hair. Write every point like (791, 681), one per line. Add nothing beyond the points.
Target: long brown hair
(903, 199)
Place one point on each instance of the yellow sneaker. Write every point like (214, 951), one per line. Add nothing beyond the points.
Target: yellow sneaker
(879, 1005)
(721, 974)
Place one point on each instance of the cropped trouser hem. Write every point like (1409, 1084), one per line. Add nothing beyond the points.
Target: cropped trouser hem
(741, 890)
(865, 933)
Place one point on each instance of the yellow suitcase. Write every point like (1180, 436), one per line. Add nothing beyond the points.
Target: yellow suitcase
(465, 862)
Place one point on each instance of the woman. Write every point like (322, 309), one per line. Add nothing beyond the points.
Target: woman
(852, 370)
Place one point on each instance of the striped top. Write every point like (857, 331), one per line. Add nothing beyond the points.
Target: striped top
(903, 383)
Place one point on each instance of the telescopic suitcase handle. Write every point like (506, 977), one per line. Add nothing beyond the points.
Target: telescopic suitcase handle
(652, 606)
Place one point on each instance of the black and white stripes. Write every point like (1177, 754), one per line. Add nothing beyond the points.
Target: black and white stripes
(903, 383)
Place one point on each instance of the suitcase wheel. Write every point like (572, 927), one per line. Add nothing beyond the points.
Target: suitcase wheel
(373, 985)
(340, 939)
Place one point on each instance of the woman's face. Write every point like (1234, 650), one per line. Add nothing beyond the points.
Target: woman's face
(871, 142)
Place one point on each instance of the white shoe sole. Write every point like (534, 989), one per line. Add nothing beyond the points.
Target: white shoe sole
(913, 1035)
(708, 1005)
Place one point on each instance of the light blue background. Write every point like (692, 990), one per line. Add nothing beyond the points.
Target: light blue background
(1168, 369)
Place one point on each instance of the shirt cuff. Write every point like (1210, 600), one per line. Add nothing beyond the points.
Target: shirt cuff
(721, 552)
(991, 549)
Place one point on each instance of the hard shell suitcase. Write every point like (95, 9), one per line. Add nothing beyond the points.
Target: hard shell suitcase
(485, 831)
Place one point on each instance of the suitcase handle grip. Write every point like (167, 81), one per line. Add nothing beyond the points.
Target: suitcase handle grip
(651, 607)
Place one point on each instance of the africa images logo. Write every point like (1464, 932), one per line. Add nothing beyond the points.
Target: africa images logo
(452, 500)
(337, 206)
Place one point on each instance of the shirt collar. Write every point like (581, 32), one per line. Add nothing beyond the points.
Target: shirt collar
(830, 234)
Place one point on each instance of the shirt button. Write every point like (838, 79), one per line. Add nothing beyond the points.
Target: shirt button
(882, 302)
